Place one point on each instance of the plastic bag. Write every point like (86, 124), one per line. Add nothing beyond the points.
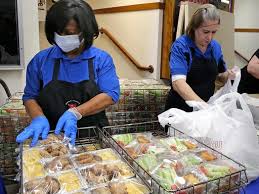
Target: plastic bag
(228, 87)
(253, 104)
(228, 123)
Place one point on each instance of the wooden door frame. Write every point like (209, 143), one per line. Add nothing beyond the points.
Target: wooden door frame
(167, 37)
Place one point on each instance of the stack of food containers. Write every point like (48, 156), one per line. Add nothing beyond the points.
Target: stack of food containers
(176, 163)
(54, 167)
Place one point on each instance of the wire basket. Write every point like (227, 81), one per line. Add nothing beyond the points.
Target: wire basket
(156, 130)
(9, 128)
(93, 136)
(13, 118)
(137, 105)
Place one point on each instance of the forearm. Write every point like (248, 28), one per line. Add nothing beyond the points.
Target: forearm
(33, 108)
(253, 67)
(95, 105)
(185, 91)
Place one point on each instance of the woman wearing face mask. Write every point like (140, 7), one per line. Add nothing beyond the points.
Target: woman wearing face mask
(71, 83)
(196, 60)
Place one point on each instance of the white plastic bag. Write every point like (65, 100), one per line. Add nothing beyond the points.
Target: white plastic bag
(253, 104)
(228, 123)
(228, 87)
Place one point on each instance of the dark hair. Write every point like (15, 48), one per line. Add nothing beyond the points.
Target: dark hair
(63, 11)
(204, 13)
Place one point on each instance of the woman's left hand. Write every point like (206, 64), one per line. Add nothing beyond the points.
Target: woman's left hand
(231, 74)
(68, 122)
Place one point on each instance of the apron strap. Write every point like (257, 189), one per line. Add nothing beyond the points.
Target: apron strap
(193, 53)
(91, 69)
(56, 70)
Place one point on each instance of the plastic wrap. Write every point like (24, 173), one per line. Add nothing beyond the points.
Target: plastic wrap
(194, 177)
(79, 192)
(129, 186)
(105, 172)
(58, 164)
(47, 184)
(176, 169)
(178, 144)
(227, 171)
(70, 181)
(184, 163)
(51, 139)
(53, 150)
(166, 175)
(32, 165)
(140, 149)
(95, 157)
(169, 178)
(84, 148)
(15, 108)
(33, 170)
(148, 161)
(16, 96)
(132, 138)
(206, 154)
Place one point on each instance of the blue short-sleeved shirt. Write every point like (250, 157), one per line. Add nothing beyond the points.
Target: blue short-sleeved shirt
(180, 65)
(73, 70)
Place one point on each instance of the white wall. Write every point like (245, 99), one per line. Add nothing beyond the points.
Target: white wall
(246, 16)
(114, 3)
(140, 32)
(15, 79)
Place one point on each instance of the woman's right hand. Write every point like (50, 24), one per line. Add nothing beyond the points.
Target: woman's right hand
(39, 126)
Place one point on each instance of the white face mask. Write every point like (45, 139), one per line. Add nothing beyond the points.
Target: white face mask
(68, 42)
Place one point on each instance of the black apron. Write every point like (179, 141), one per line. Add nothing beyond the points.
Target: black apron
(58, 96)
(201, 78)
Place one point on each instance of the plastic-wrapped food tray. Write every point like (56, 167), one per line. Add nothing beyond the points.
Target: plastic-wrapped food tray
(94, 157)
(189, 167)
(129, 186)
(52, 168)
(105, 172)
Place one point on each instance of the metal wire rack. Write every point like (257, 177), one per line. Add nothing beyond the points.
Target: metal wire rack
(158, 130)
(137, 105)
(9, 128)
(12, 120)
(93, 136)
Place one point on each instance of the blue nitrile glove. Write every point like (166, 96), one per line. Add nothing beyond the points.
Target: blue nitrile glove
(68, 122)
(39, 125)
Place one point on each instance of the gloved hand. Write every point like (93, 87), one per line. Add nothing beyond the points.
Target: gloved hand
(39, 125)
(197, 105)
(68, 122)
